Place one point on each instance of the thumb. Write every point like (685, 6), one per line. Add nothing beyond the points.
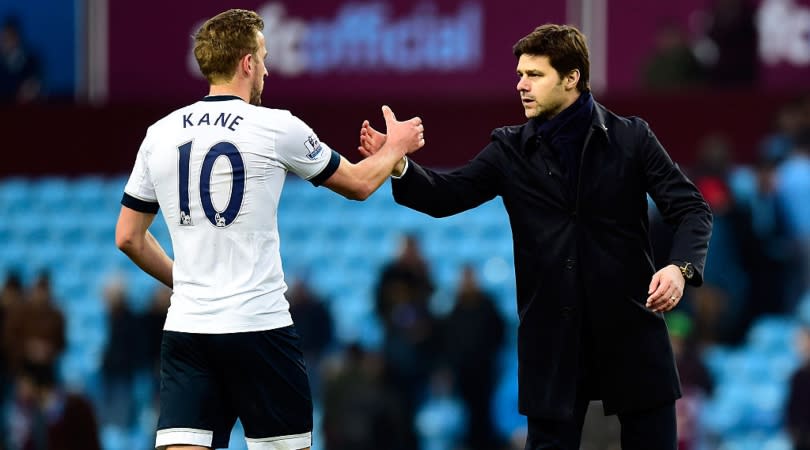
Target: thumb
(388, 114)
(654, 282)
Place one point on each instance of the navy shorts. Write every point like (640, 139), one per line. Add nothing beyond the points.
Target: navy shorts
(208, 380)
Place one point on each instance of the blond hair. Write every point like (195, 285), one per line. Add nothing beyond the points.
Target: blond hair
(223, 40)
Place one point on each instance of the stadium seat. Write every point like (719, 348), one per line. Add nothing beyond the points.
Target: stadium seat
(15, 195)
(772, 333)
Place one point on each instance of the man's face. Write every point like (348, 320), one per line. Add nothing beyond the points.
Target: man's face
(541, 89)
(260, 71)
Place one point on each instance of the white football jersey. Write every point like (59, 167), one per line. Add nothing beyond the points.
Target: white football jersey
(216, 168)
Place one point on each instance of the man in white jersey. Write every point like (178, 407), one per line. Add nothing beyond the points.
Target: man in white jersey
(216, 168)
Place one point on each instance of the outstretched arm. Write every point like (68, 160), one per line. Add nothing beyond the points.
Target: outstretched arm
(359, 181)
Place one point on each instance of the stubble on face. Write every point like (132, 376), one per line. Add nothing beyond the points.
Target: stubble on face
(552, 104)
(256, 94)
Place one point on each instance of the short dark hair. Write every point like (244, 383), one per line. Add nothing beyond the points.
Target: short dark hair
(223, 40)
(565, 47)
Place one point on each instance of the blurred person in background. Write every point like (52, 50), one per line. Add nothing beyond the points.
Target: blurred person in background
(410, 330)
(152, 332)
(34, 321)
(121, 357)
(788, 124)
(672, 65)
(769, 257)
(724, 264)
(574, 180)
(360, 412)
(696, 383)
(793, 189)
(314, 322)
(410, 267)
(11, 295)
(20, 77)
(473, 334)
(441, 420)
(230, 349)
(41, 414)
(797, 408)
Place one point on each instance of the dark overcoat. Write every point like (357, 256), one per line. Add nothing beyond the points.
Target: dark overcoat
(590, 251)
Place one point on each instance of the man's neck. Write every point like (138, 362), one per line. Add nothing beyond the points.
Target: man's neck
(229, 89)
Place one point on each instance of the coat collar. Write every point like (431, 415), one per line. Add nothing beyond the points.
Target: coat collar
(528, 135)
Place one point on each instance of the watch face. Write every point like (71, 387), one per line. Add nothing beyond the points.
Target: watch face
(688, 270)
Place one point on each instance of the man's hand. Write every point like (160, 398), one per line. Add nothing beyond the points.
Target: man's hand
(371, 140)
(666, 289)
(410, 133)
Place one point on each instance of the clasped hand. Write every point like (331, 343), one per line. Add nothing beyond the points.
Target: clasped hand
(372, 140)
(666, 289)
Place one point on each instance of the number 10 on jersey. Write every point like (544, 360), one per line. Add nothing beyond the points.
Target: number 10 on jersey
(222, 218)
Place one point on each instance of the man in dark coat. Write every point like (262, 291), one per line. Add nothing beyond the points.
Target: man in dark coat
(574, 180)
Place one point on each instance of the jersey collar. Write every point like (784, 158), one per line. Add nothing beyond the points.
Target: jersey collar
(220, 98)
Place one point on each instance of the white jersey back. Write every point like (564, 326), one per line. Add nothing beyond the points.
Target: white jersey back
(216, 169)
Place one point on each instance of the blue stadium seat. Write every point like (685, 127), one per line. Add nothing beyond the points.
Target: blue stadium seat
(50, 194)
(29, 226)
(88, 193)
(772, 334)
(15, 195)
(115, 437)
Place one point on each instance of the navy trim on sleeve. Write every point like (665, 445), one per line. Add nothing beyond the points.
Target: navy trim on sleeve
(331, 167)
(139, 205)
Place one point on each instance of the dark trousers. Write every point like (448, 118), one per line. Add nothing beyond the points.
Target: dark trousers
(652, 429)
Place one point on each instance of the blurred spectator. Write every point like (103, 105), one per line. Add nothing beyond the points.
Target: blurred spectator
(409, 267)
(710, 304)
(314, 324)
(797, 413)
(153, 320)
(714, 158)
(788, 123)
(769, 257)
(441, 420)
(41, 415)
(672, 63)
(11, 295)
(360, 412)
(35, 322)
(793, 188)
(20, 77)
(696, 384)
(729, 45)
(724, 270)
(120, 360)
(409, 343)
(473, 334)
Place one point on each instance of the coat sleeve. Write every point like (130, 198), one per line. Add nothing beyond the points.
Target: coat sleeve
(441, 194)
(680, 203)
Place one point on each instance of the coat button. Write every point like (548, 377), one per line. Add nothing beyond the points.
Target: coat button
(570, 263)
(565, 312)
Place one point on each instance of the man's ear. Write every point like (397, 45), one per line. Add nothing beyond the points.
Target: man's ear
(572, 79)
(246, 64)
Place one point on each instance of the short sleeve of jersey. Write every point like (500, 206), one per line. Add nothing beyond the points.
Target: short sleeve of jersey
(301, 152)
(140, 186)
